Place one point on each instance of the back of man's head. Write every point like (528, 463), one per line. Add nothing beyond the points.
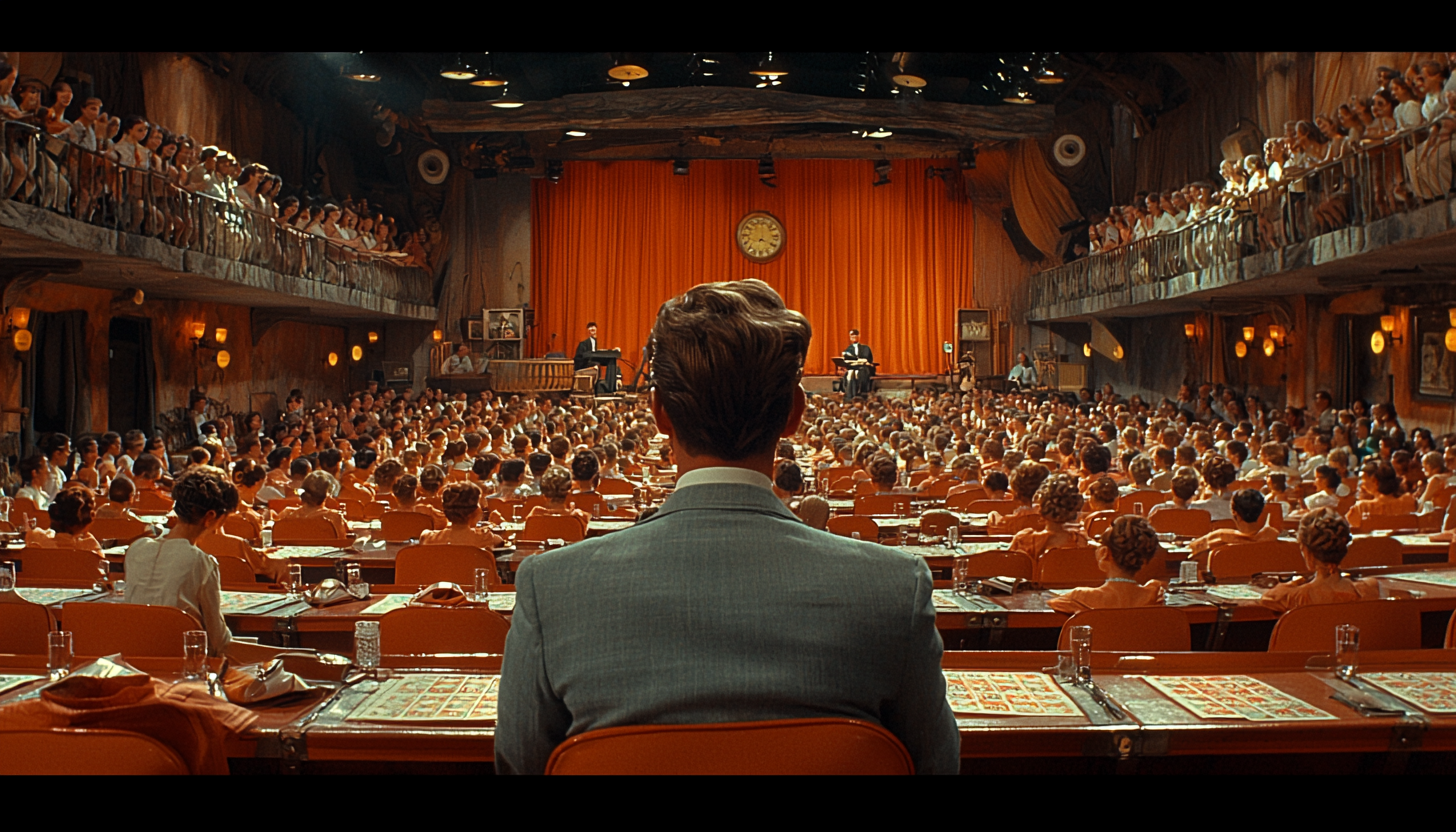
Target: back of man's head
(727, 359)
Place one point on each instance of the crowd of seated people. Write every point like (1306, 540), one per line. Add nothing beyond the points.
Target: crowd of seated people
(1420, 103)
(146, 178)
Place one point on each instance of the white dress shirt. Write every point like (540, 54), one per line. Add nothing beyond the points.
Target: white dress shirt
(723, 475)
(174, 573)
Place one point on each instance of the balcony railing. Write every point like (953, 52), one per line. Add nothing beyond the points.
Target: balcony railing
(64, 178)
(1359, 188)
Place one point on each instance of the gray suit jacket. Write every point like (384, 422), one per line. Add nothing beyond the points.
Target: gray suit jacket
(722, 607)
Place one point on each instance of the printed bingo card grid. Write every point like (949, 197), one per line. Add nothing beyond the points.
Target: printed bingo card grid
(1007, 694)
(431, 698)
(1234, 697)
(1431, 692)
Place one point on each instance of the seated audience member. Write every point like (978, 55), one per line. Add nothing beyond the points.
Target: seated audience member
(814, 511)
(1059, 502)
(1382, 484)
(385, 475)
(1096, 461)
(316, 489)
(171, 571)
(556, 487)
(512, 472)
(1026, 479)
(1433, 466)
(34, 471)
(1324, 536)
(146, 472)
(996, 484)
(722, 643)
(965, 469)
(1218, 474)
(1101, 495)
(71, 513)
(1140, 471)
(1247, 507)
(248, 477)
(1127, 546)
(118, 502)
(432, 479)
(1185, 485)
(462, 509)
(586, 473)
(1327, 480)
(406, 493)
(788, 482)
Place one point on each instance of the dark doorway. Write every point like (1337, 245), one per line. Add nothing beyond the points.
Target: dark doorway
(129, 393)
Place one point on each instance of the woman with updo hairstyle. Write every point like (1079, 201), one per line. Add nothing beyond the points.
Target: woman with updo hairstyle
(317, 488)
(1218, 474)
(1127, 546)
(883, 473)
(71, 513)
(462, 509)
(1059, 502)
(1324, 537)
(556, 487)
(1026, 479)
(1102, 494)
(1385, 495)
(406, 493)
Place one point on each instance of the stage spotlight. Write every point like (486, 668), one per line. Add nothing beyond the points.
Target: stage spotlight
(766, 173)
(679, 167)
(1019, 93)
(553, 170)
(882, 173)
(904, 74)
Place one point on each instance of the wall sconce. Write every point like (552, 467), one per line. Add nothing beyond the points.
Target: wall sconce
(439, 335)
(1270, 347)
(20, 317)
(1190, 331)
(1377, 342)
(199, 329)
(17, 327)
(1241, 349)
(1087, 350)
(1451, 313)
(1451, 339)
(1387, 326)
(223, 359)
(1117, 352)
(373, 337)
(1249, 334)
(220, 335)
(357, 352)
(333, 359)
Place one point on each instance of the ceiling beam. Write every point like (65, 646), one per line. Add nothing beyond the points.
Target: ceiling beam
(812, 146)
(706, 108)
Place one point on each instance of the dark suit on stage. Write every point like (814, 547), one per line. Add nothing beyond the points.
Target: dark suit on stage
(581, 361)
(857, 381)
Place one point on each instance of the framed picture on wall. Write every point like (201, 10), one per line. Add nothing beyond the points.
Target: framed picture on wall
(475, 330)
(503, 324)
(1434, 367)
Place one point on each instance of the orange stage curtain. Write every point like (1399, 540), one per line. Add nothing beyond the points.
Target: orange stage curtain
(611, 241)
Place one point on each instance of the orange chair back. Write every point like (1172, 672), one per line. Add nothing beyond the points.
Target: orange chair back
(832, 475)
(1155, 569)
(961, 502)
(236, 526)
(937, 521)
(789, 746)
(375, 509)
(1184, 522)
(938, 489)
(585, 502)
(1070, 565)
(845, 525)
(535, 500)
(987, 506)
(151, 501)
(422, 565)
(45, 567)
(305, 531)
(864, 488)
(1384, 625)
(1243, 560)
(505, 507)
(615, 487)
(26, 508)
(1147, 499)
(403, 526)
(1394, 522)
(284, 503)
(424, 630)
(236, 574)
(1098, 522)
(995, 565)
(121, 529)
(545, 527)
(843, 485)
(92, 751)
(918, 477)
(23, 626)
(1141, 629)
(352, 509)
(882, 505)
(1018, 522)
(100, 629)
(1373, 551)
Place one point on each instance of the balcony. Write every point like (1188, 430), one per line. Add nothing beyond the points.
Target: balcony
(1275, 243)
(131, 228)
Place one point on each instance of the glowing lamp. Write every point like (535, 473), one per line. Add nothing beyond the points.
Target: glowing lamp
(1189, 330)
(333, 359)
(439, 335)
(223, 359)
(1387, 323)
(357, 352)
(1248, 333)
(1451, 313)
(1087, 350)
(199, 329)
(1269, 347)
(21, 339)
(220, 335)
(20, 317)
(1241, 349)
(373, 337)
(1276, 332)
(1117, 352)
(1377, 342)
(1451, 340)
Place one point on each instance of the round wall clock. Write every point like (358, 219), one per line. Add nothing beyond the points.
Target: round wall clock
(760, 236)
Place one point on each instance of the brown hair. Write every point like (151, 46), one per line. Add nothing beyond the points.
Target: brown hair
(406, 489)
(1185, 483)
(1325, 535)
(201, 490)
(727, 359)
(1103, 490)
(1058, 498)
(1218, 472)
(460, 500)
(1132, 541)
(1027, 478)
(882, 471)
(317, 487)
(555, 483)
(71, 510)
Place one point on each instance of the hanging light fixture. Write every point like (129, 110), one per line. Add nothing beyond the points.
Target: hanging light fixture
(356, 69)
(904, 75)
(457, 70)
(488, 78)
(1019, 93)
(220, 335)
(1241, 349)
(507, 101)
(373, 337)
(770, 71)
(625, 68)
(223, 359)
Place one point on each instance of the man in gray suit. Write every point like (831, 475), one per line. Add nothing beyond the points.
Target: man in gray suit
(723, 606)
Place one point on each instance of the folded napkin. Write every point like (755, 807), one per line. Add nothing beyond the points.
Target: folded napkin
(259, 682)
(332, 591)
(442, 594)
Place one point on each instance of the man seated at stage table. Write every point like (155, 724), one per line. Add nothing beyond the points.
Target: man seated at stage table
(698, 614)
(458, 364)
(1127, 546)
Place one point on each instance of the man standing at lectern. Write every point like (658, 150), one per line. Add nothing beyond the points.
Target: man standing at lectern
(586, 347)
(857, 381)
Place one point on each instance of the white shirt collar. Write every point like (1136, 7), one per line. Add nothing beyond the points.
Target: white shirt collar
(723, 476)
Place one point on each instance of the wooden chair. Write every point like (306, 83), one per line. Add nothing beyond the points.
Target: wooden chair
(1451, 633)
(376, 509)
(506, 508)
(23, 626)
(1273, 515)
(283, 503)
(937, 490)
(237, 527)
(845, 525)
(1222, 524)
(533, 501)
(403, 526)
(25, 507)
(306, 531)
(1018, 522)
(918, 477)
(425, 564)
(959, 502)
(352, 509)
(1393, 522)
(987, 506)
(995, 565)
(1373, 551)
(121, 529)
(832, 475)
(1069, 565)
(100, 629)
(882, 505)
(151, 502)
(91, 751)
(545, 527)
(1098, 522)
(1147, 499)
(1243, 560)
(1134, 629)
(1184, 522)
(614, 488)
(843, 486)
(864, 488)
(236, 574)
(423, 630)
(585, 502)
(788, 746)
(1384, 625)
(937, 521)
(57, 567)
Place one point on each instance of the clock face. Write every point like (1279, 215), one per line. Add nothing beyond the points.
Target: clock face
(760, 237)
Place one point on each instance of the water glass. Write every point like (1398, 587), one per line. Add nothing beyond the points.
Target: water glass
(295, 579)
(366, 645)
(961, 576)
(1188, 572)
(353, 575)
(482, 585)
(267, 536)
(597, 511)
(953, 535)
(58, 654)
(516, 512)
(194, 655)
(7, 575)
(1082, 652)
(1347, 650)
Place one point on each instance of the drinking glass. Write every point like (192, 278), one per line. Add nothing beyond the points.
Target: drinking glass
(516, 512)
(1082, 652)
(1188, 572)
(597, 511)
(960, 573)
(854, 535)
(366, 644)
(267, 537)
(1347, 650)
(58, 654)
(953, 535)
(7, 575)
(295, 579)
(1137, 508)
(194, 655)
(353, 574)
(482, 585)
